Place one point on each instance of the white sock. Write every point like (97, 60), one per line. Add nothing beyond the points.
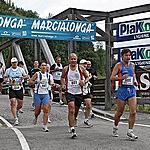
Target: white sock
(130, 130)
(45, 126)
(116, 127)
(86, 120)
(72, 128)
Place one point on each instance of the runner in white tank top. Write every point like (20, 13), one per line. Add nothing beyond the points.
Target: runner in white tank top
(72, 79)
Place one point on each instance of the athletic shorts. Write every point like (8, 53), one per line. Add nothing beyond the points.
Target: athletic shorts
(87, 96)
(77, 98)
(1, 80)
(57, 82)
(40, 99)
(126, 92)
(18, 94)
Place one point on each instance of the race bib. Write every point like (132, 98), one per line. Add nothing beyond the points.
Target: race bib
(74, 82)
(58, 74)
(16, 84)
(44, 84)
(128, 81)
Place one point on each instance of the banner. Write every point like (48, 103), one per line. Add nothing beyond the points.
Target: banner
(52, 29)
(140, 55)
(133, 30)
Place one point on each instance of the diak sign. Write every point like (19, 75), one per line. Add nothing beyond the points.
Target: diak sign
(133, 30)
(53, 29)
(138, 53)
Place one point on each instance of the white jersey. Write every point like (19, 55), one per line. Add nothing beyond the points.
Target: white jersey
(86, 88)
(15, 77)
(51, 81)
(1, 72)
(73, 80)
(42, 85)
(57, 74)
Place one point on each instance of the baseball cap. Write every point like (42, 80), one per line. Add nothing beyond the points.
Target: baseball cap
(14, 59)
(83, 61)
(36, 62)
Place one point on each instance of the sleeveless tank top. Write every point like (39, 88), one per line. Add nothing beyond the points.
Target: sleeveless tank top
(57, 74)
(73, 79)
(42, 85)
(127, 70)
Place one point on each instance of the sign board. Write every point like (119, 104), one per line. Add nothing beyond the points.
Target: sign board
(140, 55)
(52, 29)
(133, 30)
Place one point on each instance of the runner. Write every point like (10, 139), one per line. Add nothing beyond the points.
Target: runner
(41, 80)
(31, 73)
(15, 75)
(21, 64)
(56, 70)
(50, 90)
(2, 71)
(86, 96)
(124, 73)
(72, 79)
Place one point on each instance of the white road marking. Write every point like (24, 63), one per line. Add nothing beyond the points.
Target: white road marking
(136, 124)
(20, 136)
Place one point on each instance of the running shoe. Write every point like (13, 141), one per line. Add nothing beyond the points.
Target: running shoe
(87, 123)
(35, 121)
(74, 134)
(92, 115)
(49, 121)
(61, 102)
(132, 136)
(16, 122)
(45, 129)
(115, 132)
(20, 111)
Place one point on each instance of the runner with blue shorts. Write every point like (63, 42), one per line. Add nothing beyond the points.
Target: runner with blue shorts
(126, 93)
(42, 81)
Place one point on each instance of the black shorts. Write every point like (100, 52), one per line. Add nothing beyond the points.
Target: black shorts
(87, 96)
(57, 82)
(18, 94)
(1, 80)
(78, 98)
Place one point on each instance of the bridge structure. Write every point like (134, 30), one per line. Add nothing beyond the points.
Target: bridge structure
(108, 36)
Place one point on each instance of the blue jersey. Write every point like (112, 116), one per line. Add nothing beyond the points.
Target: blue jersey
(126, 89)
(130, 72)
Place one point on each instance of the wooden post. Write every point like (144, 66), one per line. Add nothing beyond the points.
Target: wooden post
(72, 44)
(109, 45)
(35, 50)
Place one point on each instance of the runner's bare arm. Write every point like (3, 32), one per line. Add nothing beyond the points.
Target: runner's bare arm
(32, 79)
(63, 76)
(85, 74)
(115, 73)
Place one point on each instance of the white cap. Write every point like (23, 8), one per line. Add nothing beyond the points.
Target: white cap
(14, 59)
(36, 62)
(48, 66)
(83, 61)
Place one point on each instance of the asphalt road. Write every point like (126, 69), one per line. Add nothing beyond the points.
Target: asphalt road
(98, 137)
